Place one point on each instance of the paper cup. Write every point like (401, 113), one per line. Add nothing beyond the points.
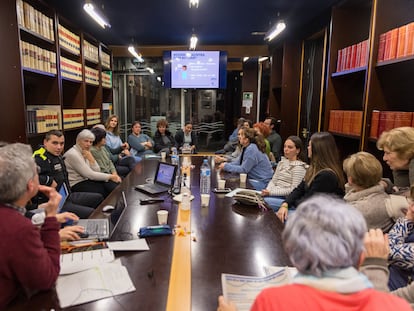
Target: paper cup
(221, 183)
(243, 178)
(162, 217)
(205, 200)
(163, 155)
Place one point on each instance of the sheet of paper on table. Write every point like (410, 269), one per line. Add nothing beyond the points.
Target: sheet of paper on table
(131, 245)
(79, 261)
(104, 280)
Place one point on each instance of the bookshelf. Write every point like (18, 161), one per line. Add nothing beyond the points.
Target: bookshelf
(54, 74)
(369, 88)
(346, 79)
(285, 86)
(390, 88)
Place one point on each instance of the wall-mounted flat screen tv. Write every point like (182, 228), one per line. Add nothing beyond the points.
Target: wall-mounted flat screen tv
(195, 69)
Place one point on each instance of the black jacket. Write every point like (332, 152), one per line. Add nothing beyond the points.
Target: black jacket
(179, 139)
(159, 143)
(52, 168)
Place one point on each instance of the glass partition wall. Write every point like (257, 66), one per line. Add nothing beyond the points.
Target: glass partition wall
(140, 95)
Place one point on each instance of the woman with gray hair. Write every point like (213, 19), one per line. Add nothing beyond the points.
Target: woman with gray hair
(398, 147)
(84, 172)
(324, 241)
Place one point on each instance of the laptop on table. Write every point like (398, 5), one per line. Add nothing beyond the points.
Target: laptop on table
(163, 180)
(40, 212)
(63, 191)
(102, 229)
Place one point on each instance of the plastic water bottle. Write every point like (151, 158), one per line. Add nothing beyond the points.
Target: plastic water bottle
(205, 178)
(174, 156)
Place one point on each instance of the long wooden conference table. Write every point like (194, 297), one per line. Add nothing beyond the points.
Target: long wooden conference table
(183, 273)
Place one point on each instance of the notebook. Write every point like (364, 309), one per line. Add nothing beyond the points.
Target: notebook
(163, 180)
(102, 229)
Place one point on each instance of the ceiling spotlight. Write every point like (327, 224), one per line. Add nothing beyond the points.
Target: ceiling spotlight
(193, 3)
(245, 59)
(193, 42)
(134, 53)
(275, 30)
(98, 16)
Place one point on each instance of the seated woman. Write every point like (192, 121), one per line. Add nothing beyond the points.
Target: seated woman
(252, 160)
(323, 175)
(231, 156)
(401, 241)
(84, 172)
(288, 175)
(119, 151)
(141, 144)
(101, 154)
(233, 141)
(264, 130)
(398, 147)
(163, 140)
(324, 240)
(186, 139)
(366, 194)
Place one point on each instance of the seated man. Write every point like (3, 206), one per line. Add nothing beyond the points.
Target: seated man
(325, 242)
(53, 173)
(274, 138)
(29, 259)
(186, 139)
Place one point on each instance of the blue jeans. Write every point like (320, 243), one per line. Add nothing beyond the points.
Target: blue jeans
(274, 202)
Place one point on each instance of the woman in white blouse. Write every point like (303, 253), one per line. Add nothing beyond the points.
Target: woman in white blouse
(289, 173)
(84, 172)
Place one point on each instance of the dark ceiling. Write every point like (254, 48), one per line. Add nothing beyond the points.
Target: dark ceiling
(171, 22)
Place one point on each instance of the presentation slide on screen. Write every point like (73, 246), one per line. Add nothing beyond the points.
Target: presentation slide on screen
(195, 69)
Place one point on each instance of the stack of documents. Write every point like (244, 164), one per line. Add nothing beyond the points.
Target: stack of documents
(105, 280)
(92, 275)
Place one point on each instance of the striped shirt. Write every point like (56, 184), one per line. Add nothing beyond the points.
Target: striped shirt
(287, 176)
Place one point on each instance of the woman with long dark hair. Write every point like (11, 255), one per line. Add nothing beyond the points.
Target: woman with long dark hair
(119, 150)
(324, 174)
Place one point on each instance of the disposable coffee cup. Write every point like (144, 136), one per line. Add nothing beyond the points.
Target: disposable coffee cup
(221, 183)
(205, 200)
(243, 178)
(163, 155)
(162, 217)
